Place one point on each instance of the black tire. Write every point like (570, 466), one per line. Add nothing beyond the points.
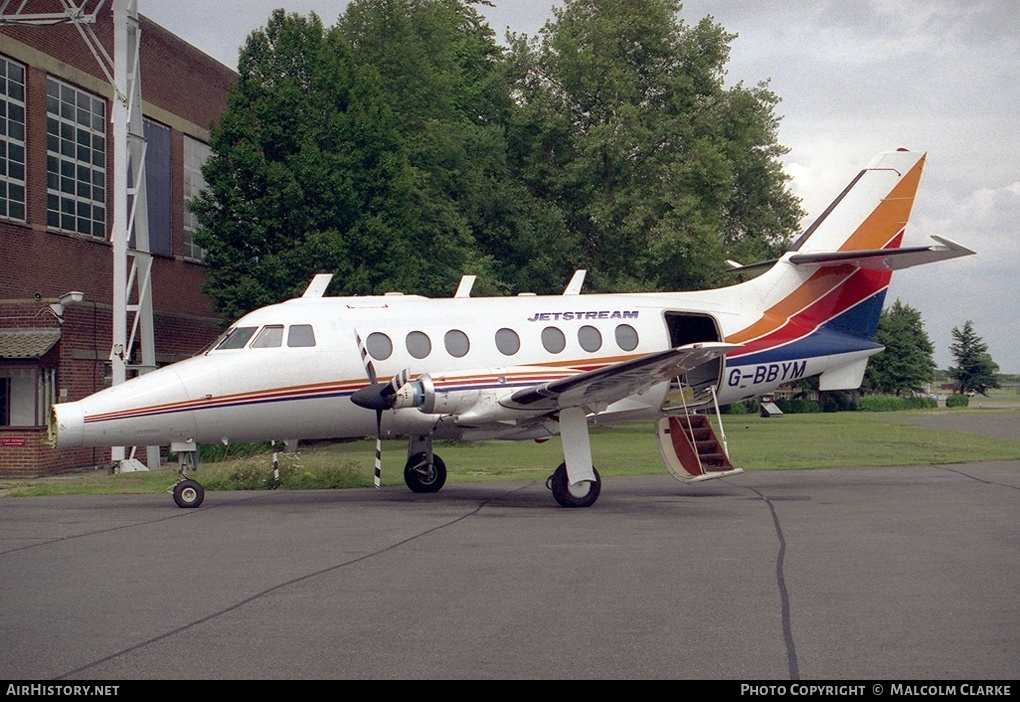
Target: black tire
(188, 493)
(561, 489)
(421, 477)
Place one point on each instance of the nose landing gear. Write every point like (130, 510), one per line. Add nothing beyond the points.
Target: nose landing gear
(187, 492)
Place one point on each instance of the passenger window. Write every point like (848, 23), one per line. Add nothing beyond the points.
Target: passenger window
(270, 337)
(589, 338)
(300, 335)
(626, 337)
(379, 346)
(418, 344)
(553, 340)
(236, 338)
(457, 344)
(508, 342)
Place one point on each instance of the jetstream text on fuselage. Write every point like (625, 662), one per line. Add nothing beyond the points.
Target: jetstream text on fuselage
(590, 314)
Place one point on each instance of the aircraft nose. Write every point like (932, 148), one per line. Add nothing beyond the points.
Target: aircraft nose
(150, 410)
(67, 424)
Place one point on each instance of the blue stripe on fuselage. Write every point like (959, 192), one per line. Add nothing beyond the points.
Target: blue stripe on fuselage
(854, 330)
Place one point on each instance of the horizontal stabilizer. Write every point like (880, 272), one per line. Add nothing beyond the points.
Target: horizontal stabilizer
(886, 259)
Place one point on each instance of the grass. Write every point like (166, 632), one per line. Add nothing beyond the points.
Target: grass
(790, 442)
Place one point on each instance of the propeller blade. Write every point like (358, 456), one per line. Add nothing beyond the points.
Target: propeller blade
(378, 449)
(369, 366)
(371, 397)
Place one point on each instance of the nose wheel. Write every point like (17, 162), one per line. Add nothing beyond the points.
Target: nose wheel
(187, 492)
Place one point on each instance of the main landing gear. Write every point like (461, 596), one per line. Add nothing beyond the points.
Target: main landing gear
(423, 475)
(583, 495)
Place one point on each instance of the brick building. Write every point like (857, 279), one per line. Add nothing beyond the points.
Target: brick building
(56, 203)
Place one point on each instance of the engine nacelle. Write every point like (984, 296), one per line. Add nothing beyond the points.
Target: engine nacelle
(421, 393)
(470, 397)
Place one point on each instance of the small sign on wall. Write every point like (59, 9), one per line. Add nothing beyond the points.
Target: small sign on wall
(12, 441)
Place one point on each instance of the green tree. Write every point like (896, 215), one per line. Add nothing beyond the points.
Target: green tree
(308, 174)
(659, 170)
(443, 75)
(975, 371)
(907, 362)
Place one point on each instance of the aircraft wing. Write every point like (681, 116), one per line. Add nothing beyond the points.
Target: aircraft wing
(612, 383)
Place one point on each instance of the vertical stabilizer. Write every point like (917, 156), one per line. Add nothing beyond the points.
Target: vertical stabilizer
(873, 209)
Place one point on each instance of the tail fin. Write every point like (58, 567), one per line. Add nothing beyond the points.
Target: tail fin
(872, 210)
(824, 297)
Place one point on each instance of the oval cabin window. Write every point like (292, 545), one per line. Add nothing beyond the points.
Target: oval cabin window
(418, 344)
(590, 338)
(508, 342)
(553, 340)
(456, 342)
(379, 346)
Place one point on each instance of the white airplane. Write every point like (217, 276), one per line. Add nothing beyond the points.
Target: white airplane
(530, 367)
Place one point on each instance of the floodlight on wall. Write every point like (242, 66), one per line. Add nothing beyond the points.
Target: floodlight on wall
(66, 300)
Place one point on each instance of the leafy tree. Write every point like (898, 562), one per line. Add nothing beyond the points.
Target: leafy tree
(442, 72)
(907, 362)
(307, 174)
(659, 170)
(975, 371)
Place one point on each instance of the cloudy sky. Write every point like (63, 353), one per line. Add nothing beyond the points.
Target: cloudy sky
(856, 77)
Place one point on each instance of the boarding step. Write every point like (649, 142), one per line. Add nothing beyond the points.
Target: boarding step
(691, 450)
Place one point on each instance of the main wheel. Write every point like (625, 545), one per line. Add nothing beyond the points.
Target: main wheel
(422, 477)
(583, 495)
(188, 493)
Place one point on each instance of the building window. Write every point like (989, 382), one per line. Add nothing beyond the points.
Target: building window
(75, 160)
(12, 140)
(195, 154)
(157, 186)
(26, 395)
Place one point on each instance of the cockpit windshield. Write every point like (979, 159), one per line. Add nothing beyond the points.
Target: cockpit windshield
(236, 338)
(270, 336)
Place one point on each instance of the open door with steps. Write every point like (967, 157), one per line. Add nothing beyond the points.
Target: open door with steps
(691, 450)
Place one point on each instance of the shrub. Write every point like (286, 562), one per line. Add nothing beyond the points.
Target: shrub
(957, 401)
(839, 402)
(798, 406)
(921, 402)
(891, 403)
(210, 453)
(881, 403)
